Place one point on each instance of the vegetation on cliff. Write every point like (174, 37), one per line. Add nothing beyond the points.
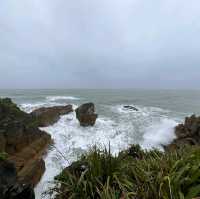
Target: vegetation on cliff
(134, 173)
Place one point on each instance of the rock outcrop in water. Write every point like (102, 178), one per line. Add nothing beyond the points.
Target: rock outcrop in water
(86, 114)
(50, 115)
(129, 107)
(187, 133)
(10, 187)
(23, 141)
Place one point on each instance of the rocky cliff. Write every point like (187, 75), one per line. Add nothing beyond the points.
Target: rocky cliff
(187, 133)
(23, 141)
(10, 186)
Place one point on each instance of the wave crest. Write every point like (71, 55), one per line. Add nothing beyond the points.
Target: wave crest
(159, 134)
(57, 98)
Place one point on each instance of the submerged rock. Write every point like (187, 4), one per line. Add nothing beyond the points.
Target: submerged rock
(187, 133)
(50, 115)
(130, 108)
(10, 187)
(86, 114)
(23, 141)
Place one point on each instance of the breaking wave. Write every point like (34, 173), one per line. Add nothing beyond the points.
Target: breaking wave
(159, 134)
(154, 127)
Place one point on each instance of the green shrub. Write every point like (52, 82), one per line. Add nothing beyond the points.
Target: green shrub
(134, 174)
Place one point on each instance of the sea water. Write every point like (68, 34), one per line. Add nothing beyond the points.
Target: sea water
(152, 126)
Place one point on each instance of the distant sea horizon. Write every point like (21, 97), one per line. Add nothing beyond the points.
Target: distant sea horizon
(77, 88)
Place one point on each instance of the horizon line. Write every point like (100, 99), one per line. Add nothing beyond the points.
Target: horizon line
(100, 88)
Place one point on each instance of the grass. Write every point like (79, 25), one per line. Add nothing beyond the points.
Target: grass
(134, 174)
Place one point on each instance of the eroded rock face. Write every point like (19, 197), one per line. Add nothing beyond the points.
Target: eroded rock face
(10, 187)
(50, 115)
(187, 133)
(23, 141)
(86, 114)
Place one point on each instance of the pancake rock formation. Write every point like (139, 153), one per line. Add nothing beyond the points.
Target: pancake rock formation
(86, 114)
(50, 115)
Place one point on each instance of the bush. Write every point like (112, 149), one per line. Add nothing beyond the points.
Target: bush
(134, 173)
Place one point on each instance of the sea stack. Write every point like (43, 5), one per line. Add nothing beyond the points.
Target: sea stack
(86, 114)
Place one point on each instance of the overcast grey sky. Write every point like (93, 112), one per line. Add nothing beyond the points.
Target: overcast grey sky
(99, 44)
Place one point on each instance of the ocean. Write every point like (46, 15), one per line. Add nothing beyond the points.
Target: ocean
(151, 127)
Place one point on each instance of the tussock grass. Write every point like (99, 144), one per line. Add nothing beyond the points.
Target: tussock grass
(134, 174)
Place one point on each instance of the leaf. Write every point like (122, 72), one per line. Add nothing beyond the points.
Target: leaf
(193, 192)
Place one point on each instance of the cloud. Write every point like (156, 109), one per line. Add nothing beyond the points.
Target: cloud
(129, 43)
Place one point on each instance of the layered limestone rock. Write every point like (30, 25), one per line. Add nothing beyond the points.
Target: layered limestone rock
(50, 115)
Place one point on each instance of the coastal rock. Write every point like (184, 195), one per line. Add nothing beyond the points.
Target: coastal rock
(86, 114)
(187, 133)
(10, 187)
(129, 107)
(23, 141)
(50, 115)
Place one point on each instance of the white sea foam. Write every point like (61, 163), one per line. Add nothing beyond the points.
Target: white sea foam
(152, 124)
(158, 134)
(56, 98)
